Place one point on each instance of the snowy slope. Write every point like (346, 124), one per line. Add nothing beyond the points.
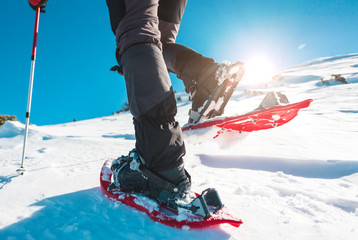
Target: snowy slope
(298, 181)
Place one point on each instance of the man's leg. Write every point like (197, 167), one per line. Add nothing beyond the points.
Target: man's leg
(158, 136)
(207, 82)
(152, 103)
(186, 63)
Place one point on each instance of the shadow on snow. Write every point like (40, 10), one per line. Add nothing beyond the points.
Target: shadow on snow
(330, 169)
(124, 136)
(6, 180)
(87, 214)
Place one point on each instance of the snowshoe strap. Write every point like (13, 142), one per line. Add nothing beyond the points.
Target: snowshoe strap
(158, 181)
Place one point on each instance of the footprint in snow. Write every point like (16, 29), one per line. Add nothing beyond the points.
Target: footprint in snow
(42, 150)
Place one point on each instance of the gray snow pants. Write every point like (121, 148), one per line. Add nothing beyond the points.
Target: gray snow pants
(145, 35)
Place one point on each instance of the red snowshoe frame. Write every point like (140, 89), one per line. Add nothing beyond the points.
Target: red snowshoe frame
(255, 120)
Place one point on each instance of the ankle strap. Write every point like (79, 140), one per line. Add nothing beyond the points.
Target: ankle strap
(160, 182)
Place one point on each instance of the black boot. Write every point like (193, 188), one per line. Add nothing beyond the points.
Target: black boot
(213, 90)
(131, 175)
(209, 83)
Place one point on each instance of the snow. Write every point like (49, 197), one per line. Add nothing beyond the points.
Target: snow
(297, 181)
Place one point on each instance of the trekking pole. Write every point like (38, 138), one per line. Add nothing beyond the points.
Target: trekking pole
(29, 97)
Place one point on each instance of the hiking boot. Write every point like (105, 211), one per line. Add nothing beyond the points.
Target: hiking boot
(168, 187)
(213, 90)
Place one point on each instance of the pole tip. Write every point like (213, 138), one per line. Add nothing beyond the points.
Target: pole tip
(21, 170)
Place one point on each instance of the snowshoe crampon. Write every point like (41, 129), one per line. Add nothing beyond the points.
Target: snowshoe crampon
(205, 204)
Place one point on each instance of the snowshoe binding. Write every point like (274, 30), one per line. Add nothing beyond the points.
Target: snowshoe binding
(212, 91)
(170, 188)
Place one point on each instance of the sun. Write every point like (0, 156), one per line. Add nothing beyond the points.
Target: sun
(259, 69)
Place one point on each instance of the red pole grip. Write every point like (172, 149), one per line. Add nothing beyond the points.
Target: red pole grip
(36, 30)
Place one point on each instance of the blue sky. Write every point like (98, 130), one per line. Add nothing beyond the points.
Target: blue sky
(76, 47)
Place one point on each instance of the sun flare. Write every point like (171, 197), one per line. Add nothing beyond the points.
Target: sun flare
(259, 69)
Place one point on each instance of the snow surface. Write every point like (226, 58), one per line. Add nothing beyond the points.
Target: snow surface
(298, 181)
